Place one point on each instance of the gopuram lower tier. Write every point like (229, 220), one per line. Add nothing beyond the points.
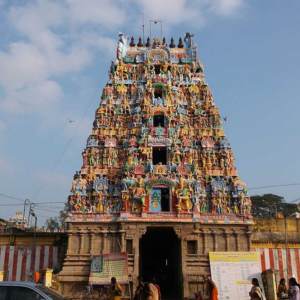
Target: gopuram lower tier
(158, 182)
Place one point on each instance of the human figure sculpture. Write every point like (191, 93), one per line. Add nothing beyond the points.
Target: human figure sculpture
(91, 160)
(125, 200)
(177, 155)
(76, 188)
(139, 194)
(101, 205)
(184, 200)
(196, 202)
(188, 40)
(84, 158)
(183, 196)
(122, 46)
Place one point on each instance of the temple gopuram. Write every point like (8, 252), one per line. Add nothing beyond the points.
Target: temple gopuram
(158, 182)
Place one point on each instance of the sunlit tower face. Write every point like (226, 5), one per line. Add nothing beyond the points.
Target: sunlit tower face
(157, 133)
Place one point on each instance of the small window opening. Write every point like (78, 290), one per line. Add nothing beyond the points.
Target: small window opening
(157, 69)
(159, 155)
(129, 246)
(158, 93)
(159, 120)
(192, 247)
(165, 199)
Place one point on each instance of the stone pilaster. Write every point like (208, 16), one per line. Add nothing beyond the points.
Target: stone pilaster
(73, 243)
(92, 243)
(236, 236)
(123, 242)
(227, 243)
(81, 243)
(215, 246)
(249, 234)
(106, 243)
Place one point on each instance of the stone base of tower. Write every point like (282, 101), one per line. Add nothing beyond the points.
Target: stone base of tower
(74, 276)
(181, 245)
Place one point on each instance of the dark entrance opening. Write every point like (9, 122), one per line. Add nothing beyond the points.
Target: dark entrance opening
(158, 93)
(160, 258)
(159, 155)
(159, 120)
(157, 69)
(165, 199)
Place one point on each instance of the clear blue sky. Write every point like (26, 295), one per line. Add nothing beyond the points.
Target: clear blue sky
(54, 60)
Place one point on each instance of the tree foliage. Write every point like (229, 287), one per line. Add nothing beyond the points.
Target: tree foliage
(57, 223)
(52, 224)
(271, 205)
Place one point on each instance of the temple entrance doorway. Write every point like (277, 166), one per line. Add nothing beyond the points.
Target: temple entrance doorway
(160, 258)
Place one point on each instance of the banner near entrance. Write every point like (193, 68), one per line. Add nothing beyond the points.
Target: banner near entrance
(104, 267)
(232, 272)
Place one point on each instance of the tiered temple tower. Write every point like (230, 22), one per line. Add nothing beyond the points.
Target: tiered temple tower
(158, 179)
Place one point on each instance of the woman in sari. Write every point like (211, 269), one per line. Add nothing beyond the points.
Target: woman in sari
(256, 292)
(282, 291)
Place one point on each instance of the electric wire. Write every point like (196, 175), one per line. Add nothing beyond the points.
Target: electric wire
(273, 186)
(11, 197)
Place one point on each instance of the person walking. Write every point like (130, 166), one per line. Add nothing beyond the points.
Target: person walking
(115, 290)
(282, 291)
(256, 292)
(294, 291)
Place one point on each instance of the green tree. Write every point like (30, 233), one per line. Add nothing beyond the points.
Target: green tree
(52, 224)
(58, 223)
(271, 205)
(63, 214)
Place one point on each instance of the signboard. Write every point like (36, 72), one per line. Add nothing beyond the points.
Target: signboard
(232, 273)
(103, 267)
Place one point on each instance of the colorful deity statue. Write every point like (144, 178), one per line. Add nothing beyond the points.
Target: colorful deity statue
(184, 200)
(122, 46)
(128, 181)
(177, 156)
(101, 205)
(139, 194)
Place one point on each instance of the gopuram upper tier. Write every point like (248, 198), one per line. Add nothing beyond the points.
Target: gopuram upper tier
(157, 150)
